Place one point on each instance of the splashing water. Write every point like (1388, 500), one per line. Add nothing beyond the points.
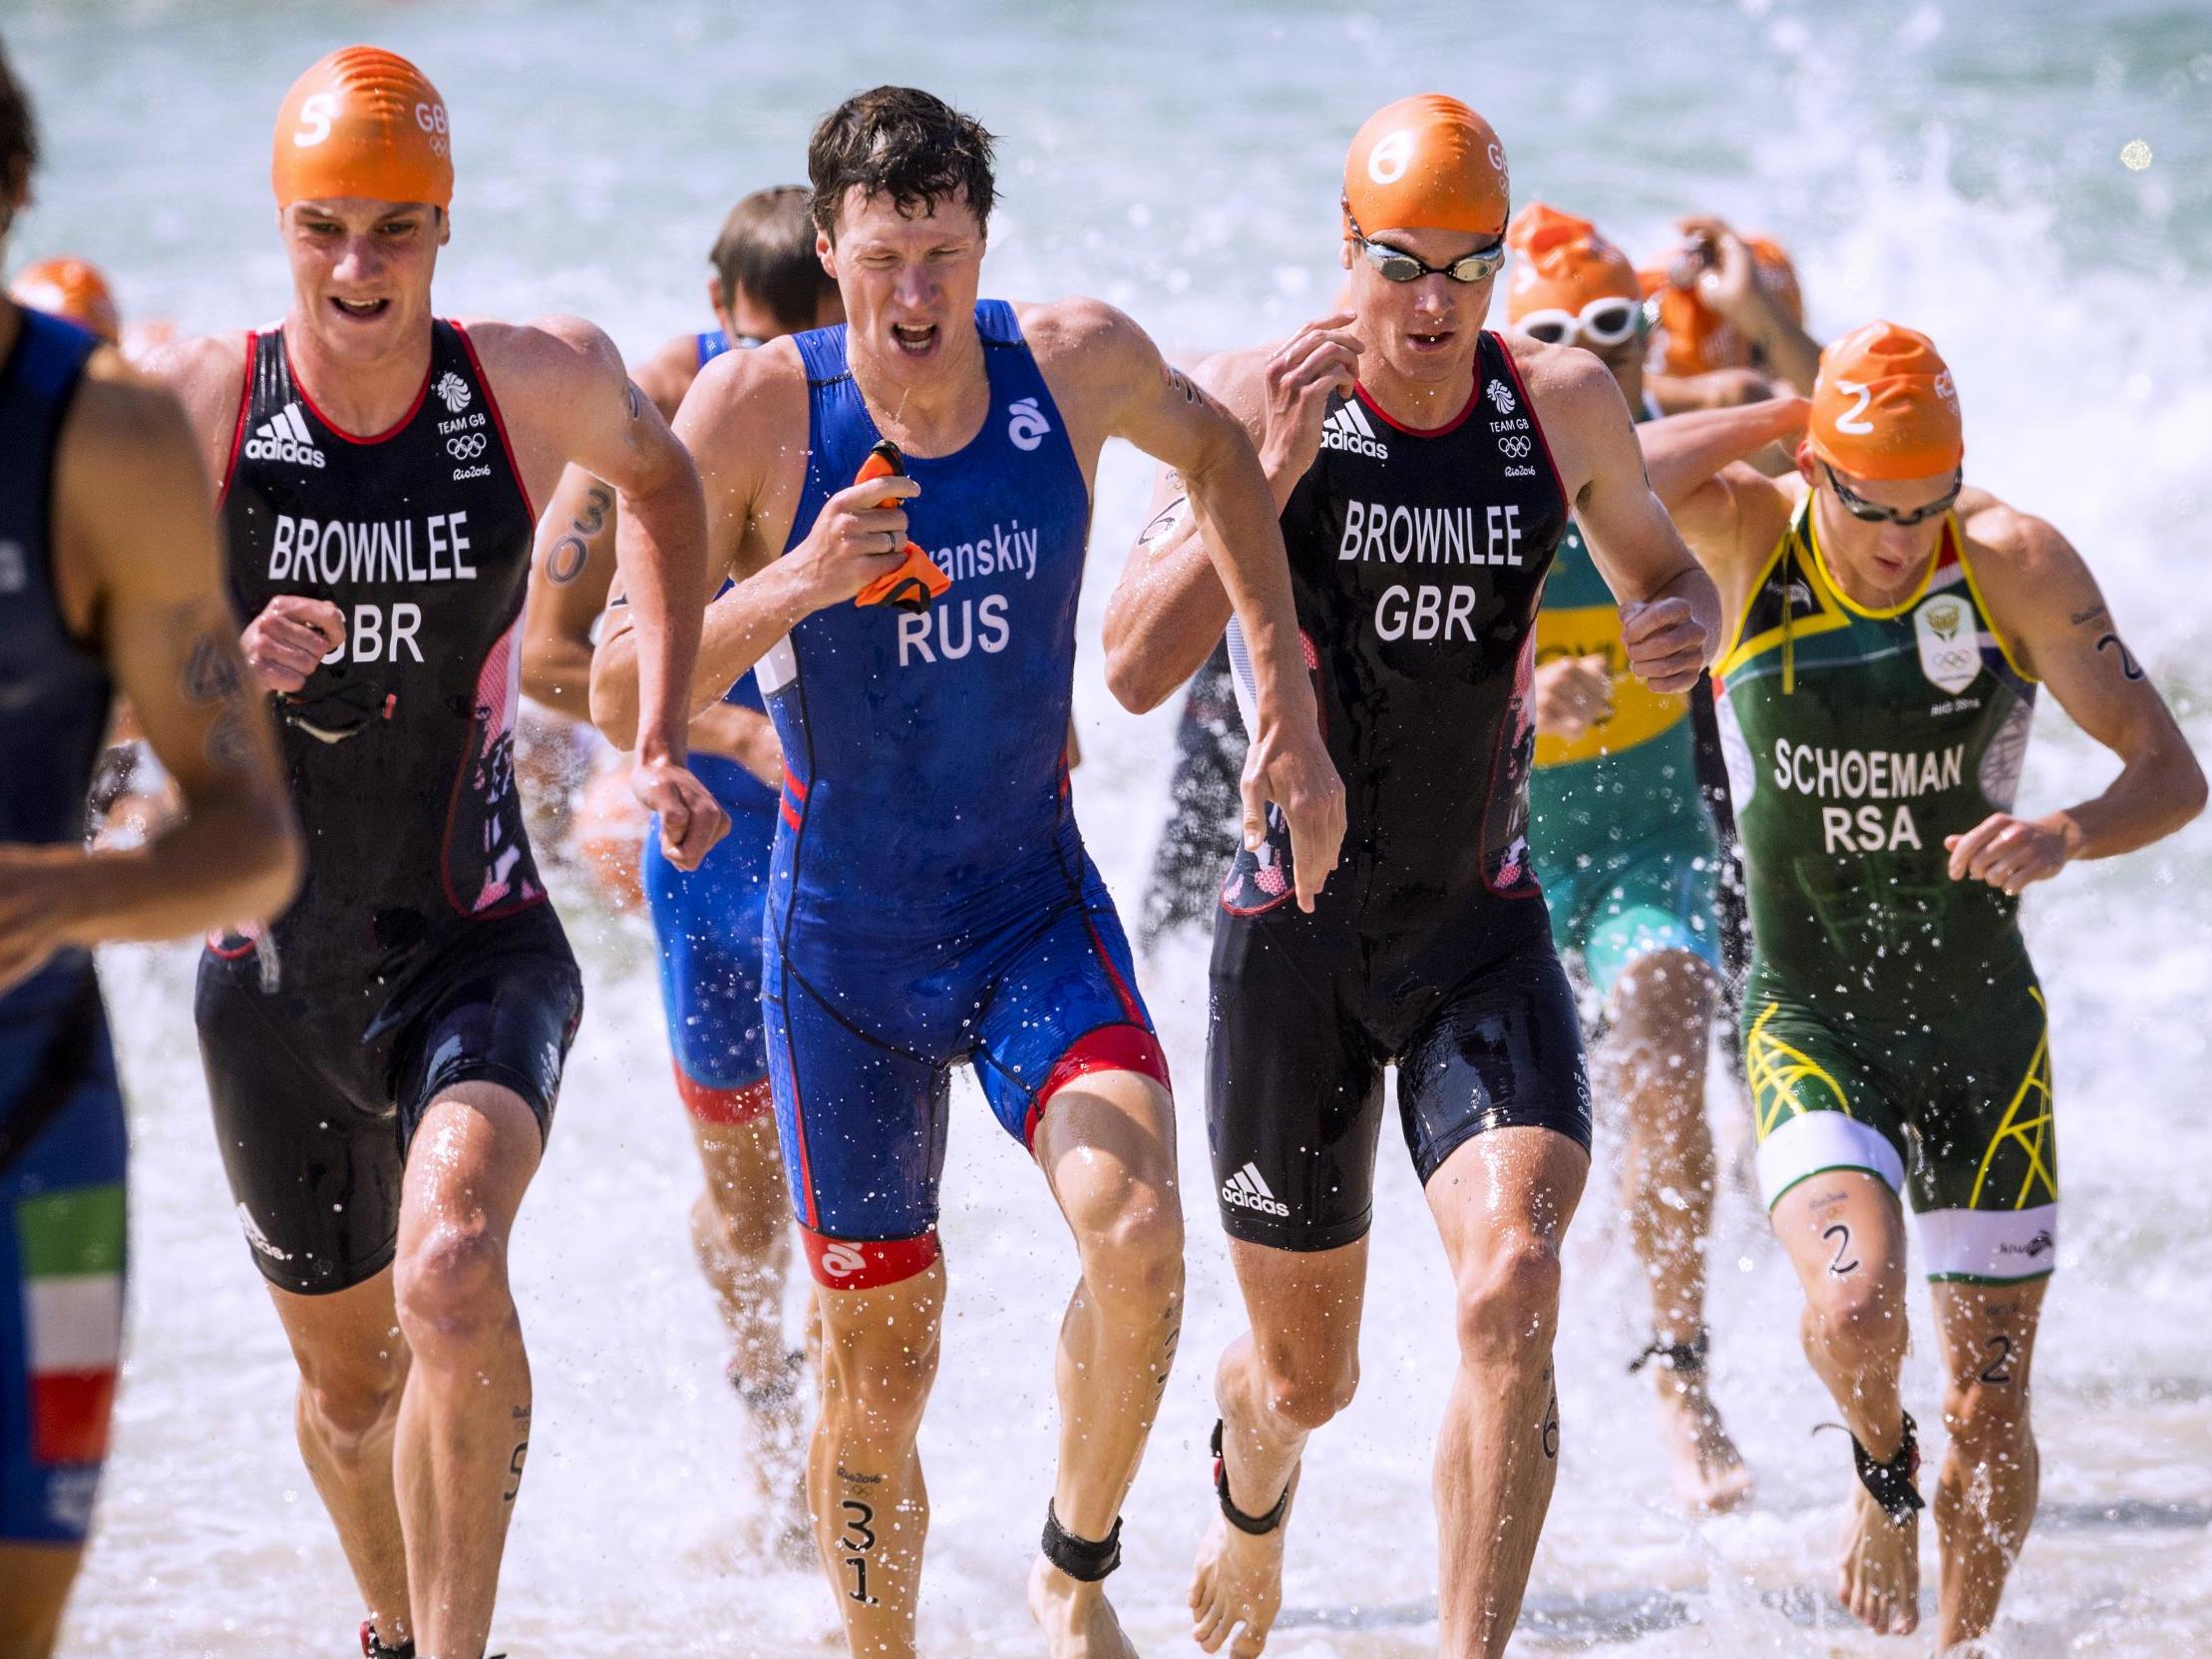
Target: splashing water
(1182, 162)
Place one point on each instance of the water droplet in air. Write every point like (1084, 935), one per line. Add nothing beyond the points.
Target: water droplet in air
(2136, 156)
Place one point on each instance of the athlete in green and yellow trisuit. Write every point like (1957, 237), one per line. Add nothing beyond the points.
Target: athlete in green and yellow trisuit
(1628, 863)
(1890, 633)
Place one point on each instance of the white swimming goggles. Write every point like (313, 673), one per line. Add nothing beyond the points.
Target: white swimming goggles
(1601, 324)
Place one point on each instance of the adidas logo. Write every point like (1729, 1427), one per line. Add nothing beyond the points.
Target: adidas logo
(1351, 429)
(1247, 1191)
(284, 437)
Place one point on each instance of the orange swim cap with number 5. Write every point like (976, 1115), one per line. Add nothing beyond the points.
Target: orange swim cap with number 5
(363, 122)
(1427, 163)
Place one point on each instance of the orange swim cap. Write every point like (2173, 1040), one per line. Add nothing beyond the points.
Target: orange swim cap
(1561, 262)
(69, 289)
(1427, 163)
(363, 121)
(1885, 406)
(1698, 339)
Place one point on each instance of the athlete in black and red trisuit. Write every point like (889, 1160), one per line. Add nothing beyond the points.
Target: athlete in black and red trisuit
(1426, 471)
(379, 467)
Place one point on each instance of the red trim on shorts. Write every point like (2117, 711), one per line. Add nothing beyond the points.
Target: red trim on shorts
(498, 421)
(864, 1264)
(70, 1410)
(792, 783)
(790, 817)
(237, 432)
(248, 942)
(706, 1103)
(340, 432)
(1104, 1048)
(1453, 425)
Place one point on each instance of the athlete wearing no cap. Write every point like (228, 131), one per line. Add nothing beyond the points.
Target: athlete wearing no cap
(1890, 629)
(109, 580)
(379, 467)
(767, 283)
(1424, 469)
(930, 901)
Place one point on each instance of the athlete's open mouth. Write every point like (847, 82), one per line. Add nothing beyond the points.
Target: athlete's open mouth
(361, 307)
(914, 339)
(1430, 342)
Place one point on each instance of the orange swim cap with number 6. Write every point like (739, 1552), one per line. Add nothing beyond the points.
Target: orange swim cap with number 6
(363, 122)
(1885, 406)
(1427, 163)
(69, 289)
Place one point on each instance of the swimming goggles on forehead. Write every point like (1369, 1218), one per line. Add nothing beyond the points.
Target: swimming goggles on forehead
(1396, 265)
(1606, 322)
(1873, 512)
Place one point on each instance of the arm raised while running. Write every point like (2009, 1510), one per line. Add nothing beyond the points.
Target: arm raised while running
(139, 563)
(742, 416)
(565, 390)
(2041, 594)
(1124, 388)
(1669, 610)
(1168, 609)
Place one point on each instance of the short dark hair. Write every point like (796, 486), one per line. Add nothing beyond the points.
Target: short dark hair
(767, 248)
(903, 142)
(19, 140)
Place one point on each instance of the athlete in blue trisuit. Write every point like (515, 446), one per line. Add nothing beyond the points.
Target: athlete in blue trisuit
(767, 283)
(930, 901)
(111, 580)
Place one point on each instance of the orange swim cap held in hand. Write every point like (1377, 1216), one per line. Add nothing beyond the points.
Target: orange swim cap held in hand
(362, 123)
(916, 581)
(1561, 262)
(1427, 163)
(1885, 406)
(1699, 338)
(71, 289)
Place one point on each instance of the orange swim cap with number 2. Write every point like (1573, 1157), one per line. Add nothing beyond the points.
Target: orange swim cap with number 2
(363, 122)
(1427, 163)
(1885, 406)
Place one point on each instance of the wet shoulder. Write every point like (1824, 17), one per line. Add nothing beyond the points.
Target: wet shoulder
(1572, 392)
(206, 373)
(128, 458)
(666, 373)
(748, 426)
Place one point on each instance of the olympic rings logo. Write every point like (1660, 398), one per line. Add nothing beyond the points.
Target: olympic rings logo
(467, 447)
(1515, 446)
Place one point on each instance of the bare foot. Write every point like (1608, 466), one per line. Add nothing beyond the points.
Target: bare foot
(1710, 1476)
(1878, 1576)
(774, 1414)
(1077, 1620)
(1238, 1582)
